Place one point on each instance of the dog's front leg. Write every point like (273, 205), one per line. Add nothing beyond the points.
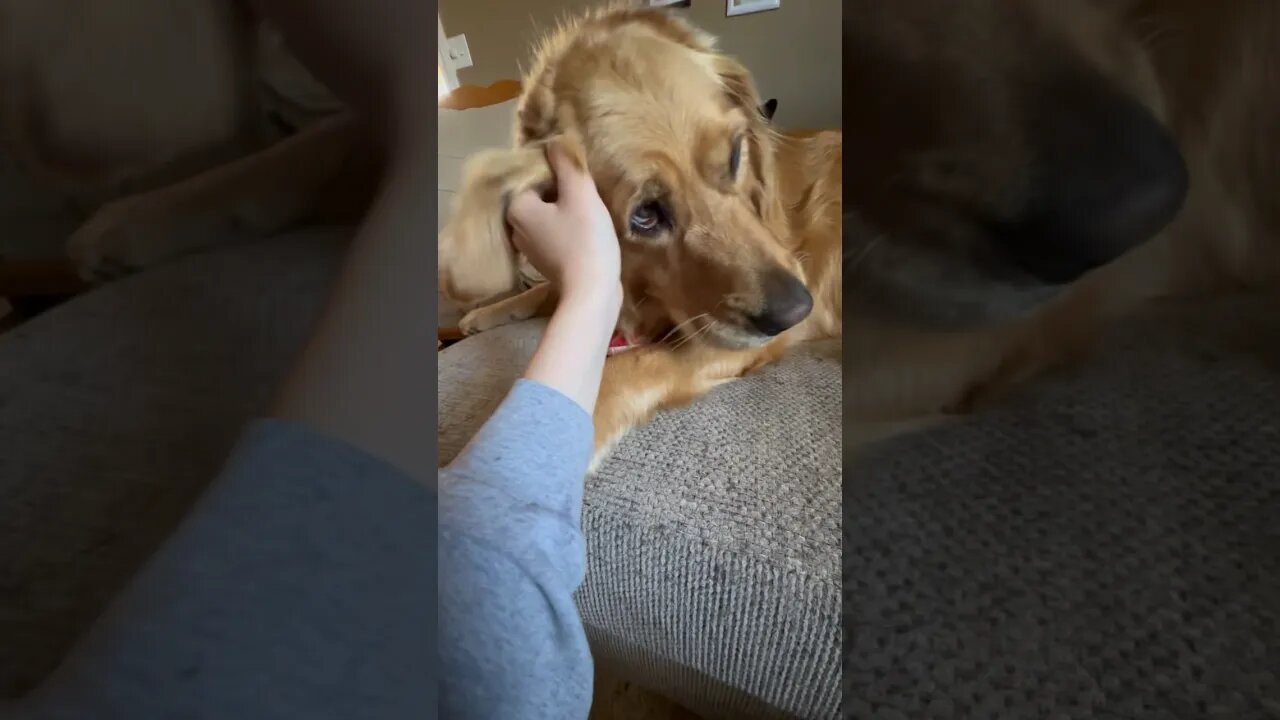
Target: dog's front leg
(638, 383)
(318, 174)
(538, 301)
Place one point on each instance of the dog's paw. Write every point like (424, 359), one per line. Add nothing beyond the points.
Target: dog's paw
(485, 318)
(119, 239)
(599, 455)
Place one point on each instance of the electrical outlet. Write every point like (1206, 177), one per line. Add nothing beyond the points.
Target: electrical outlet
(459, 53)
(746, 7)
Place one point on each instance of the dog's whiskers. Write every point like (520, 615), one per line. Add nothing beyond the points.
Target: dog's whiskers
(677, 328)
(706, 327)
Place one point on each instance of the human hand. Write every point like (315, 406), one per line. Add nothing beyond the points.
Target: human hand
(570, 241)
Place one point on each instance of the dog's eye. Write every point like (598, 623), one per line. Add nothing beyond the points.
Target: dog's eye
(646, 217)
(735, 157)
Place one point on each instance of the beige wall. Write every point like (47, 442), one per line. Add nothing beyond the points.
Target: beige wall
(794, 51)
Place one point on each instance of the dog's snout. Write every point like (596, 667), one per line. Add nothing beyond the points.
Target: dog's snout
(786, 302)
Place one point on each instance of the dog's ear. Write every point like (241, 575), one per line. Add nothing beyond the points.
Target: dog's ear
(475, 256)
(535, 111)
(761, 139)
(769, 108)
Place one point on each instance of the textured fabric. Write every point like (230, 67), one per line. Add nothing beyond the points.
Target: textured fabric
(117, 409)
(1105, 546)
(296, 587)
(712, 533)
(511, 557)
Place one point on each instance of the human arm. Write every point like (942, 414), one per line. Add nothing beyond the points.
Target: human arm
(511, 556)
(573, 243)
(512, 551)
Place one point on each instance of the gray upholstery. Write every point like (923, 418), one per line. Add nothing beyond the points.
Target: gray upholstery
(713, 539)
(115, 410)
(1105, 546)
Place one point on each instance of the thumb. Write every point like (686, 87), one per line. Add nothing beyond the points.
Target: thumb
(572, 177)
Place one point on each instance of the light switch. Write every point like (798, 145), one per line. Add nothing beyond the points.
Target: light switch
(746, 7)
(459, 53)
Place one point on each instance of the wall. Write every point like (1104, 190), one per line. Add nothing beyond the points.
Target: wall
(794, 51)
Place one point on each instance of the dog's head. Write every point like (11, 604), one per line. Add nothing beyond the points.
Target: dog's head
(998, 149)
(674, 137)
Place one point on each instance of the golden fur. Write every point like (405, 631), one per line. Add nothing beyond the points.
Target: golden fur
(649, 106)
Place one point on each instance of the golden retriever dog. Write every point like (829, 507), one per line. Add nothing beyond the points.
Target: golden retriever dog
(1024, 172)
(730, 230)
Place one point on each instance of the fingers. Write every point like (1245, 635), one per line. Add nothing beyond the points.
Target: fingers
(572, 182)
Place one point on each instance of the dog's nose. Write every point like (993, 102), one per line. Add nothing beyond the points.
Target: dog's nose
(786, 302)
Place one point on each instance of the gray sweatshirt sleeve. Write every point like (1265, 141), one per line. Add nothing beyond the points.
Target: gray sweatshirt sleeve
(511, 556)
(299, 586)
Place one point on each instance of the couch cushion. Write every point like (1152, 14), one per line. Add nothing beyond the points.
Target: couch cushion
(713, 532)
